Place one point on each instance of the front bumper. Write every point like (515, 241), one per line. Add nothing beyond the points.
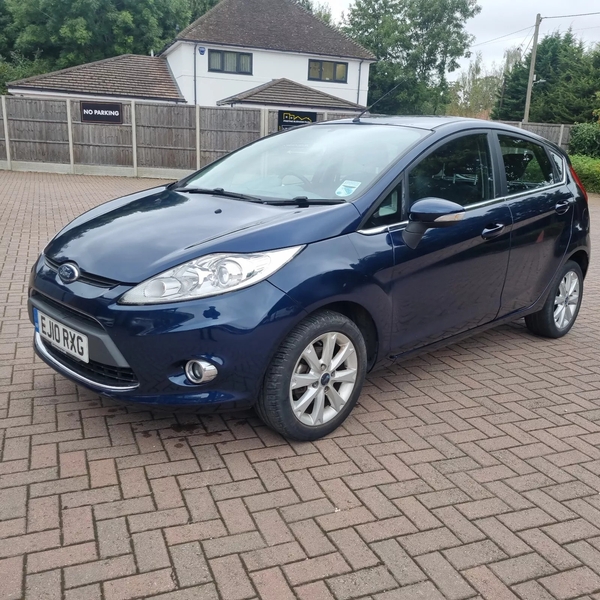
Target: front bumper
(65, 365)
(138, 353)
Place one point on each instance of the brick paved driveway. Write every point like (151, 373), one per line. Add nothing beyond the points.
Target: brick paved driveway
(472, 472)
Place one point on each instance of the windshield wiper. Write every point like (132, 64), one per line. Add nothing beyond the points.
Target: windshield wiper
(303, 201)
(220, 192)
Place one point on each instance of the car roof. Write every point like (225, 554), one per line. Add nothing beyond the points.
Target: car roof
(448, 123)
(428, 121)
(423, 122)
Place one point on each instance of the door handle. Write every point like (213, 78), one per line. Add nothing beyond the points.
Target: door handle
(492, 231)
(562, 207)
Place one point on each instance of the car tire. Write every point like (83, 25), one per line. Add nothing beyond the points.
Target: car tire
(315, 377)
(561, 308)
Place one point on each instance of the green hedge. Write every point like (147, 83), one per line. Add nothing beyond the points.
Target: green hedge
(585, 139)
(588, 170)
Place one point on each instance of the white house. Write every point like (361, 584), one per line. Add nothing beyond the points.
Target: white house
(242, 44)
(228, 54)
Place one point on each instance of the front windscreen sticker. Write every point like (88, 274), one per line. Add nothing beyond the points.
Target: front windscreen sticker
(347, 188)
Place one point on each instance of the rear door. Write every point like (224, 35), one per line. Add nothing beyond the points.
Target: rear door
(535, 185)
(452, 281)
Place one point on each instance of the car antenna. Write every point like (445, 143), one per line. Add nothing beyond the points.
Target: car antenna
(357, 118)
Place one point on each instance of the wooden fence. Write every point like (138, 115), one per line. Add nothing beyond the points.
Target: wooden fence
(559, 134)
(154, 140)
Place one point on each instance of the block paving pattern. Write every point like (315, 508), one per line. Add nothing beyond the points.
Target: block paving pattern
(470, 472)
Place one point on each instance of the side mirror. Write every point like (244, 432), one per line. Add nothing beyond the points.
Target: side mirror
(430, 213)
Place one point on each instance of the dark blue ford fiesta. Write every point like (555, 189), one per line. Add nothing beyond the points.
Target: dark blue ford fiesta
(280, 274)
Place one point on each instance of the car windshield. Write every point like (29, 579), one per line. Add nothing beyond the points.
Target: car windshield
(337, 161)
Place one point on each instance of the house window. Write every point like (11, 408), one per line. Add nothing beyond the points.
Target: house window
(230, 62)
(324, 70)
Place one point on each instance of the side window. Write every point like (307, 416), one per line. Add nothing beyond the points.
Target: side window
(389, 210)
(460, 171)
(526, 164)
(559, 163)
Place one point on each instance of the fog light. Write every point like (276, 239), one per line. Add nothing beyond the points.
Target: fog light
(200, 371)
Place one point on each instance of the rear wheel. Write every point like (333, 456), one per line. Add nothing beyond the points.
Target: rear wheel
(315, 378)
(560, 311)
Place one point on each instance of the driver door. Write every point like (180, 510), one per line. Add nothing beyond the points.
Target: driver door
(452, 281)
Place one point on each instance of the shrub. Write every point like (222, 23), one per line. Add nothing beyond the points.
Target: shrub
(588, 170)
(19, 67)
(585, 139)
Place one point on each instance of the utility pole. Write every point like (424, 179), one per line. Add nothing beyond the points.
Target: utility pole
(538, 20)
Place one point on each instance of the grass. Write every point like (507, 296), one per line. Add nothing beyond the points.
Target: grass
(588, 170)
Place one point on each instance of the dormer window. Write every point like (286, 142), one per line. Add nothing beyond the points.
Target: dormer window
(325, 70)
(221, 61)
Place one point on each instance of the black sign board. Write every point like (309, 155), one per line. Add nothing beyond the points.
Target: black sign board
(101, 112)
(292, 118)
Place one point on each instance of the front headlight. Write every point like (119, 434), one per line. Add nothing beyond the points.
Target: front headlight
(209, 276)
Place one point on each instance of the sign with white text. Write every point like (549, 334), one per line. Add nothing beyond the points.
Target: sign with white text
(101, 112)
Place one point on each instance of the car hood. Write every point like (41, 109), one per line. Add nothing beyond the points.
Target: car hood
(138, 236)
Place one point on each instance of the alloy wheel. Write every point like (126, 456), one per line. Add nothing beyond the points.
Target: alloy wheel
(567, 300)
(323, 379)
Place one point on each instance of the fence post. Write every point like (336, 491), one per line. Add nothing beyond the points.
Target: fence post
(6, 140)
(70, 134)
(520, 124)
(134, 139)
(198, 137)
(562, 133)
(264, 122)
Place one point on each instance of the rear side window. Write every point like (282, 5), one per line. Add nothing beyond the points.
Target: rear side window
(459, 171)
(559, 163)
(526, 164)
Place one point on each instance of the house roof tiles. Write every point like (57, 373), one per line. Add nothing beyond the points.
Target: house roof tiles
(128, 75)
(283, 92)
(279, 25)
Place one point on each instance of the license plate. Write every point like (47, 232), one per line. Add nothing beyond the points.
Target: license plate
(63, 338)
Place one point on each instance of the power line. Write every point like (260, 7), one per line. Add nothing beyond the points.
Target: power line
(570, 16)
(527, 40)
(528, 44)
(528, 29)
(501, 37)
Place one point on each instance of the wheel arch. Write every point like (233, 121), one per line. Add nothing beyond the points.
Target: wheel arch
(363, 319)
(582, 258)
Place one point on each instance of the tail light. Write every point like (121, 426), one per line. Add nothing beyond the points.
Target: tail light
(578, 182)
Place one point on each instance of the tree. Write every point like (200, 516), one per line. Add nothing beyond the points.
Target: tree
(6, 30)
(416, 43)
(199, 7)
(321, 10)
(37, 36)
(474, 93)
(16, 66)
(567, 79)
(596, 111)
(68, 33)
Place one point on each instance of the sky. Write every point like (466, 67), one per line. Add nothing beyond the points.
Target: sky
(500, 17)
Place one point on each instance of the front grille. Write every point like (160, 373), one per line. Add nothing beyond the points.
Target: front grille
(88, 278)
(66, 310)
(95, 371)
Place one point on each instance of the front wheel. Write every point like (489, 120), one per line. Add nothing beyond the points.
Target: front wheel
(315, 378)
(560, 311)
